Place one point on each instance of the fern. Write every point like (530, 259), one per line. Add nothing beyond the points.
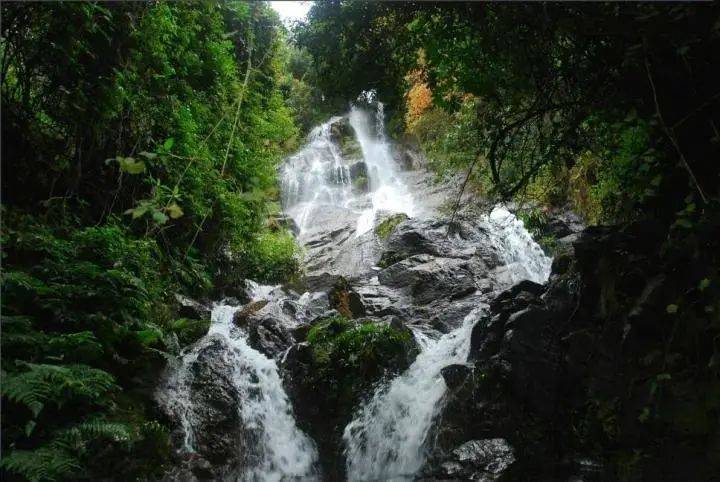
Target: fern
(43, 464)
(42, 383)
(61, 457)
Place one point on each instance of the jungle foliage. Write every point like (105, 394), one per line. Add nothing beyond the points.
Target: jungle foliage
(139, 147)
(610, 107)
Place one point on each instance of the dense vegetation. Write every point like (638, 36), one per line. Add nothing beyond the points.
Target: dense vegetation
(139, 151)
(139, 146)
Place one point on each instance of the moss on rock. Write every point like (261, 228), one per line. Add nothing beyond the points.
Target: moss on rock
(388, 225)
(351, 356)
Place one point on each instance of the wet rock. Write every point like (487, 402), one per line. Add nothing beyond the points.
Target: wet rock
(189, 308)
(358, 170)
(455, 375)
(284, 221)
(426, 278)
(241, 317)
(216, 419)
(346, 300)
(486, 460)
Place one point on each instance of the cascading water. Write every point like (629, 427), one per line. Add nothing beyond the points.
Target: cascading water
(273, 448)
(387, 438)
(388, 192)
(318, 176)
(315, 176)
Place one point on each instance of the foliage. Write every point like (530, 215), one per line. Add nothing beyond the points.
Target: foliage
(634, 93)
(350, 356)
(139, 151)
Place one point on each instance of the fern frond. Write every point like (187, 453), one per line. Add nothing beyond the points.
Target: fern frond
(40, 465)
(43, 383)
(84, 432)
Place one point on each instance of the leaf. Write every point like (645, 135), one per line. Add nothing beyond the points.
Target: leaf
(174, 211)
(167, 145)
(138, 211)
(148, 155)
(159, 217)
(704, 283)
(644, 415)
(130, 165)
(29, 427)
(671, 309)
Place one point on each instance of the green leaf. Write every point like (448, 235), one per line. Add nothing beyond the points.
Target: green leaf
(130, 165)
(671, 309)
(174, 211)
(704, 283)
(138, 211)
(167, 145)
(148, 155)
(159, 217)
(29, 427)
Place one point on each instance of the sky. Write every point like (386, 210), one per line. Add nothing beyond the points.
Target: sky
(291, 11)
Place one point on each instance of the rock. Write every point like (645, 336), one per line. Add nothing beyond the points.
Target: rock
(241, 317)
(191, 309)
(486, 460)
(284, 221)
(216, 419)
(426, 278)
(358, 170)
(455, 375)
(346, 300)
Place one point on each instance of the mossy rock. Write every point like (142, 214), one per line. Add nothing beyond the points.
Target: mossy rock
(350, 148)
(189, 331)
(360, 184)
(351, 356)
(388, 225)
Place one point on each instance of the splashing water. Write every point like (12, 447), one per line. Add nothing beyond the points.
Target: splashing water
(319, 176)
(387, 438)
(524, 258)
(388, 192)
(278, 449)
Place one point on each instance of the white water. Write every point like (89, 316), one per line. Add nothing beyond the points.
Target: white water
(387, 438)
(318, 176)
(315, 176)
(387, 191)
(282, 450)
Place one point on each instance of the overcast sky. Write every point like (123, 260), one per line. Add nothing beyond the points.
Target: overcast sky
(290, 11)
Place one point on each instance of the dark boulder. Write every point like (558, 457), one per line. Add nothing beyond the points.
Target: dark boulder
(455, 375)
(191, 309)
(217, 424)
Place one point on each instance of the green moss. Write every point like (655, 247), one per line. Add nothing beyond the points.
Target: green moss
(360, 183)
(387, 226)
(350, 148)
(350, 356)
(188, 331)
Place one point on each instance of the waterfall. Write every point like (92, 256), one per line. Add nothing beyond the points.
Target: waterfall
(388, 192)
(386, 440)
(273, 448)
(318, 177)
